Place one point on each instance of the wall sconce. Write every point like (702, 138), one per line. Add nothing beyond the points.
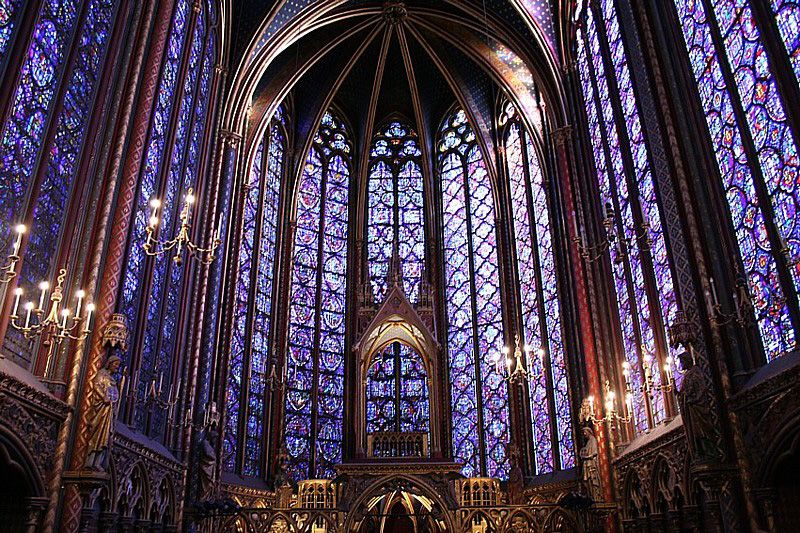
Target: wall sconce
(154, 247)
(593, 253)
(742, 303)
(57, 324)
(512, 368)
(610, 413)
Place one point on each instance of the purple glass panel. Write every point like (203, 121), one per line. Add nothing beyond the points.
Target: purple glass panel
(552, 308)
(472, 282)
(626, 217)
(395, 203)
(766, 118)
(787, 16)
(131, 299)
(758, 257)
(24, 130)
(239, 336)
(262, 319)
(528, 281)
(317, 308)
(64, 154)
(9, 10)
(629, 336)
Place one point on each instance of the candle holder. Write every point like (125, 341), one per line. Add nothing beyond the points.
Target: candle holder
(594, 253)
(57, 324)
(742, 303)
(514, 370)
(9, 270)
(182, 241)
(273, 381)
(611, 414)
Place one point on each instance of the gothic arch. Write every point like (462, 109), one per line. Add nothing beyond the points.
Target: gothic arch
(410, 484)
(397, 321)
(15, 454)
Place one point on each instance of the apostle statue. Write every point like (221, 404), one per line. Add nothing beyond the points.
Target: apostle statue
(591, 469)
(208, 461)
(103, 397)
(516, 478)
(693, 399)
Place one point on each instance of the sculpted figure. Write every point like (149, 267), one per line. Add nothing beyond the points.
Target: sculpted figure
(591, 470)
(103, 395)
(516, 479)
(693, 399)
(208, 462)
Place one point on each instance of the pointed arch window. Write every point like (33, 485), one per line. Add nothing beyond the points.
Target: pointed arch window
(479, 395)
(395, 208)
(551, 420)
(173, 160)
(397, 391)
(315, 365)
(755, 146)
(642, 273)
(251, 358)
(39, 166)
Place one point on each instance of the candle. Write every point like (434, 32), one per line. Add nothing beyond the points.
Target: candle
(29, 308)
(64, 315)
(43, 286)
(155, 203)
(20, 229)
(160, 381)
(17, 295)
(89, 310)
(628, 404)
(714, 297)
(81, 294)
(591, 405)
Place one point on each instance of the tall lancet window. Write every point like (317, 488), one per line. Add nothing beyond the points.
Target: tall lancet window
(479, 395)
(755, 146)
(43, 131)
(173, 162)
(553, 446)
(397, 391)
(395, 208)
(643, 278)
(251, 358)
(315, 367)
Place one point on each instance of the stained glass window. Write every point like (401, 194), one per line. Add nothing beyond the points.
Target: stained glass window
(9, 11)
(315, 366)
(149, 187)
(733, 72)
(23, 133)
(479, 395)
(172, 164)
(541, 315)
(395, 208)
(53, 193)
(787, 16)
(639, 256)
(250, 361)
(397, 391)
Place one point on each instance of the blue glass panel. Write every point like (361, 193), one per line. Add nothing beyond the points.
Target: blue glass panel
(317, 308)
(758, 257)
(31, 102)
(9, 11)
(64, 153)
(395, 208)
(473, 302)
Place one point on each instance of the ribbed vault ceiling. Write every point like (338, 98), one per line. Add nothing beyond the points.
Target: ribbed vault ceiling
(377, 60)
